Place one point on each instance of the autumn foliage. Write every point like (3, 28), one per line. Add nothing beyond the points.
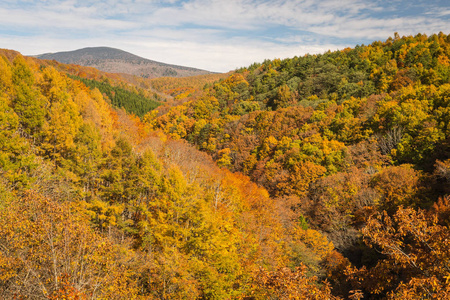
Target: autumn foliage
(316, 177)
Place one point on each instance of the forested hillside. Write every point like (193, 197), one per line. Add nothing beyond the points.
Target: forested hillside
(352, 143)
(94, 205)
(316, 177)
(132, 101)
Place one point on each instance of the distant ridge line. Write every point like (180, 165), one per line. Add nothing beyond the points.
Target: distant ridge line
(114, 60)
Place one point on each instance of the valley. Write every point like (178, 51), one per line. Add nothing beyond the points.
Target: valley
(323, 176)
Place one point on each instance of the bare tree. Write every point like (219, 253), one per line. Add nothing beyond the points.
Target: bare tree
(390, 140)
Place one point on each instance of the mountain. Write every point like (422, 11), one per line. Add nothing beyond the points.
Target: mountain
(118, 61)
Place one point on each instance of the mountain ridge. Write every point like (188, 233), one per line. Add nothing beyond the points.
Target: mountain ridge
(115, 60)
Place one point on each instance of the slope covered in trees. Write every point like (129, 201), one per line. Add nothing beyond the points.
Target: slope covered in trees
(325, 167)
(94, 205)
(338, 139)
(132, 101)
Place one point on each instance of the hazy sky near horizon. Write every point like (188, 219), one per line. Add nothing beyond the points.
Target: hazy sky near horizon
(215, 35)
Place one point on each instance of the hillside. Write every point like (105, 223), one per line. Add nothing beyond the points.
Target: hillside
(118, 61)
(93, 204)
(351, 142)
(316, 177)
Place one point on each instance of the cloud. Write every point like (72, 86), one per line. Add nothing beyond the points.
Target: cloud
(216, 57)
(76, 20)
(216, 35)
(220, 57)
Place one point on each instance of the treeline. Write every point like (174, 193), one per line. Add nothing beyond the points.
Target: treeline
(132, 101)
(350, 143)
(182, 89)
(169, 85)
(95, 205)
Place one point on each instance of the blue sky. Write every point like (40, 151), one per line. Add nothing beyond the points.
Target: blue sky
(216, 35)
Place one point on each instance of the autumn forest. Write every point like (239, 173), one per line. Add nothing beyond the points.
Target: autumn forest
(315, 177)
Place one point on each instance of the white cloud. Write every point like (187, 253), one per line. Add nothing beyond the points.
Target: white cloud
(216, 57)
(221, 57)
(216, 35)
(56, 21)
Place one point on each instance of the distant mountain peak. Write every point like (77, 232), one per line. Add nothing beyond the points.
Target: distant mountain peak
(114, 60)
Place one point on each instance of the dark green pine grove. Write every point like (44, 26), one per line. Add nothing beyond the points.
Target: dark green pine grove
(132, 101)
(316, 177)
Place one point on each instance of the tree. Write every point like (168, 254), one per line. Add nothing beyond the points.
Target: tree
(28, 103)
(416, 248)
(16, 157)
(287, 284)
(398, 186)
(48, 250)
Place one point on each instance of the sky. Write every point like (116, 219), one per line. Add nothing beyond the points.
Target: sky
(214, 35)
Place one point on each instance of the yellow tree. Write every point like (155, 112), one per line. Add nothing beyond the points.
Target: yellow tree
(287, 284)
(64, 119)
(28, 103)
(48, 250)
(16, 158)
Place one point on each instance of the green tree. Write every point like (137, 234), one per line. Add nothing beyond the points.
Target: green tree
(28, 103)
